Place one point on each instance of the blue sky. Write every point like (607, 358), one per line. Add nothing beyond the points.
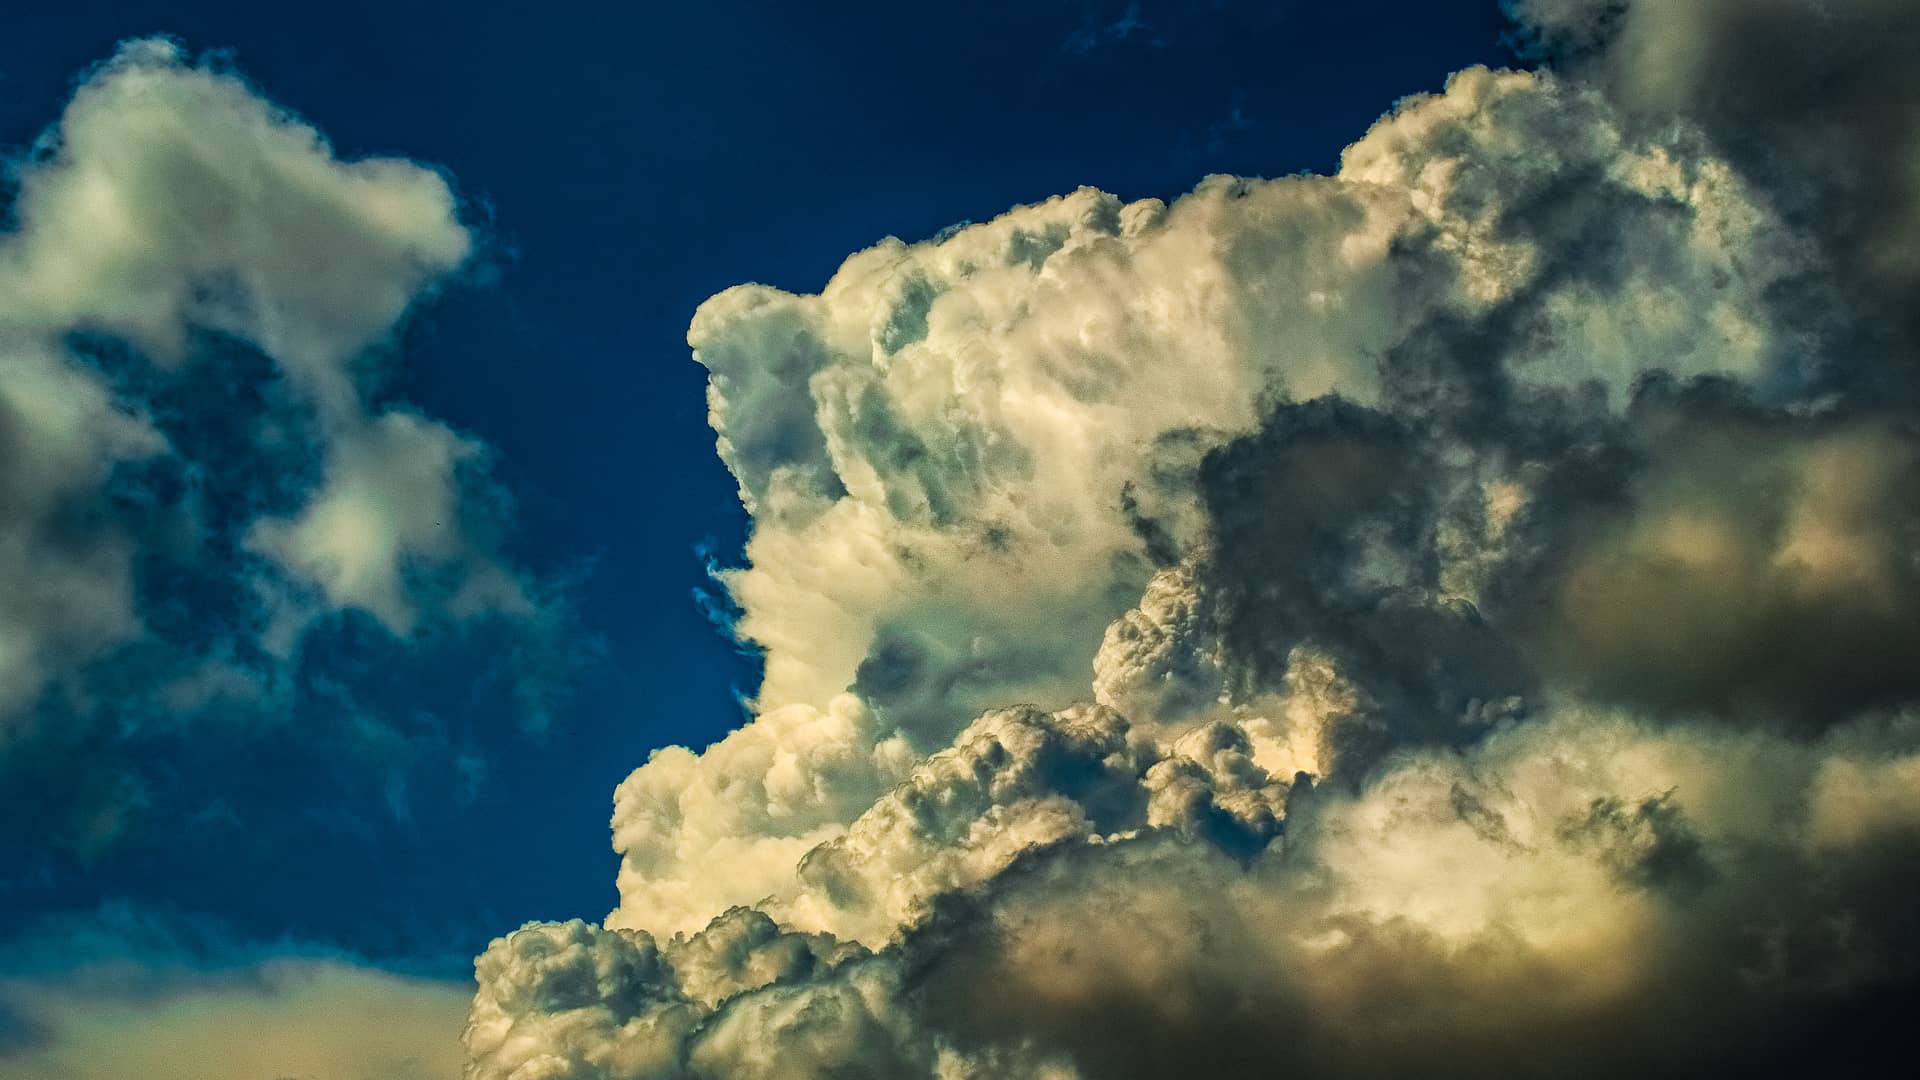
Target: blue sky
(623, 164)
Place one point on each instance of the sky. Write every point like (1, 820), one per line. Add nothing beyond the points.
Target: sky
(1019, 452)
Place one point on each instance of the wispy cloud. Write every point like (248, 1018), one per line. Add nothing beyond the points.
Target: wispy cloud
(1100, 30)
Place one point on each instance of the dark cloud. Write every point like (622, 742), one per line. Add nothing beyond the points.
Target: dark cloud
(1324, 535)
(1815, 99)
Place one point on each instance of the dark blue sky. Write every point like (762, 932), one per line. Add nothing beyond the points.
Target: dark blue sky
(628, 162)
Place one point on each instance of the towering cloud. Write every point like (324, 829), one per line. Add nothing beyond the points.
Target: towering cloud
(1451, 617)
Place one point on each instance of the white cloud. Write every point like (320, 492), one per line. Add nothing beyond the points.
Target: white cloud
(948, 451)
(171, 201)
(390, 501)
(287, 1016)
(69, 585)
(957, 421)
(172, 198)
(287, 1019)
(1555, 890)
(1518, 484)
(699, 833)
(184, 257)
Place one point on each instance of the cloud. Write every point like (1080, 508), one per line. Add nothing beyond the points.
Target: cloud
(1830, 128)
(113, 1000)
(171, 199)
(288, 1018)
(1758, 564)
(1047, 903)
(1448, 617)
(205, 469)
(1097, 31)
(1020, 409)
(699, 833)
(391, 496)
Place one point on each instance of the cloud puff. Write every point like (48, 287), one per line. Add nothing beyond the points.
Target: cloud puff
(571, 1000)
(204, 467)
(699, 833)
(391, 496)
(172, 199)
(1484, 574)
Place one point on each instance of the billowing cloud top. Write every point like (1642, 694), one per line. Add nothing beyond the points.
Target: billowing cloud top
(1453, 616)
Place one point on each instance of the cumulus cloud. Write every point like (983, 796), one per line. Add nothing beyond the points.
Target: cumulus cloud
(203, 465)
(390, 497)
(1048, 903)
(1448, 617)
(699, 833)
(171, 199)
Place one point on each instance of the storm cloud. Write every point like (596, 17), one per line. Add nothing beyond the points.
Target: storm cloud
(1452, 616)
